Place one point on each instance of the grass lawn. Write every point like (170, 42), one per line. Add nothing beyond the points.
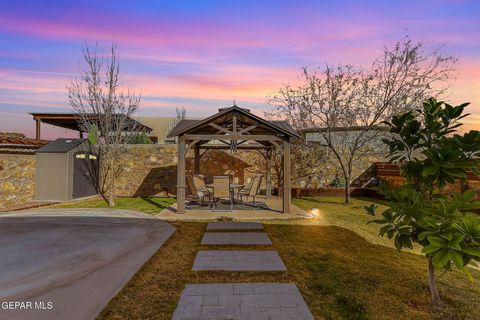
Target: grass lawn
(146, 204)
(334, 212)
(342, 268)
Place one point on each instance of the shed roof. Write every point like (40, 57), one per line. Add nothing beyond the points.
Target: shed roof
(61, 145)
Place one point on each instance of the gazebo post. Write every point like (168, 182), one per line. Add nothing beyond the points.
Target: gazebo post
(38, 129)
(196, 168)
(268, 176)
(181, 175)
(287, 196)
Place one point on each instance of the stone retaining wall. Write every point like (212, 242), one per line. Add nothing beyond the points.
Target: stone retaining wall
(151, 170)
(17, 179)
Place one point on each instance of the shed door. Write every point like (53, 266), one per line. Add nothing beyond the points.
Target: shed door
(82, 181)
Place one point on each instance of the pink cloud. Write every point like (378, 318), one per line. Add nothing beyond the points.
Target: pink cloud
(199, 32)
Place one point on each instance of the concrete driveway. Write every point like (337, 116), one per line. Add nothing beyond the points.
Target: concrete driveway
(68, 264)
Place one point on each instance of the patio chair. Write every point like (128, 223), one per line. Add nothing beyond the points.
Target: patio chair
(221, 190)
(197, 192)
(199, 182)
(245, 190)
(255, 188)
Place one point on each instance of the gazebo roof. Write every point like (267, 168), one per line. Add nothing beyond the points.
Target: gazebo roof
(279, 127)
(234, 127)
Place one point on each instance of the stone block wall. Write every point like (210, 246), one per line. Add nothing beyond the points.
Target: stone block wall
(219, 163)
(256, 165)
(365, 179)
(151, 170)
(17, 179)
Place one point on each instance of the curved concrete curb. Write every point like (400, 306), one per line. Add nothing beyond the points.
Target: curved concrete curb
(78, 212)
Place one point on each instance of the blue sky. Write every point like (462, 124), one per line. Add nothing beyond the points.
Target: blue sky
(202, 55)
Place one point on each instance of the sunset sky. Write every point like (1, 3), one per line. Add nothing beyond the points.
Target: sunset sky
(202, 55)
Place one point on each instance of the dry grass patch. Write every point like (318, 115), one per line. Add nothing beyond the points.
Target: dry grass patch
(340, 275)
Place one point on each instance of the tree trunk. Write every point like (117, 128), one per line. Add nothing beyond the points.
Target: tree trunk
(111, 190)
(347, 178)
(347, 192)
(111, 202)
(436, 301)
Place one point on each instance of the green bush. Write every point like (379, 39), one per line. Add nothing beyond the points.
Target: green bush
(140, 138)
(431, 154)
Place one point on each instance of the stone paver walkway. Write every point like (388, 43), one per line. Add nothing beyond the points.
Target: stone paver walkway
(247, 260)
(242, 301)
(229, 225)
(236, 238)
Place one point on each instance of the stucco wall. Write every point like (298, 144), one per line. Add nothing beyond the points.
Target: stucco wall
(17, 179)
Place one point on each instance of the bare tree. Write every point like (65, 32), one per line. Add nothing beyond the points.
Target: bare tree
(105, 110)
(306, 165)
(349, 104)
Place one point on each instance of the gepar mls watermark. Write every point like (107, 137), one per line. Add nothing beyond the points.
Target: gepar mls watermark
(26, 305)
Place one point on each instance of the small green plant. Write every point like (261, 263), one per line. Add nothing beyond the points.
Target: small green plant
(140, 138)
(93, 134)
(432, 154)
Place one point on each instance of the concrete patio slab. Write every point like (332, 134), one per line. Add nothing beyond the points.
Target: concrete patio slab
(246, 260)
(230, 225)
(242, 301)
(77, 264)
(274, 203)
(236, 238)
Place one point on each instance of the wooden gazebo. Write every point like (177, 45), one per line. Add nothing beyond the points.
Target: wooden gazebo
(234, 129)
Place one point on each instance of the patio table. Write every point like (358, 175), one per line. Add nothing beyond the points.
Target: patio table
(233, 186)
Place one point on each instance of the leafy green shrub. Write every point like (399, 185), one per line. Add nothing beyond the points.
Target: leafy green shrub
(140, 138)
(432, 154)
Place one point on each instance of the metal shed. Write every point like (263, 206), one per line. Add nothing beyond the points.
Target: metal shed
(62, 170)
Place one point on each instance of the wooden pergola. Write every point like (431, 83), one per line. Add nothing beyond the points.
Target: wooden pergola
(234, 129)
(70, 121)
